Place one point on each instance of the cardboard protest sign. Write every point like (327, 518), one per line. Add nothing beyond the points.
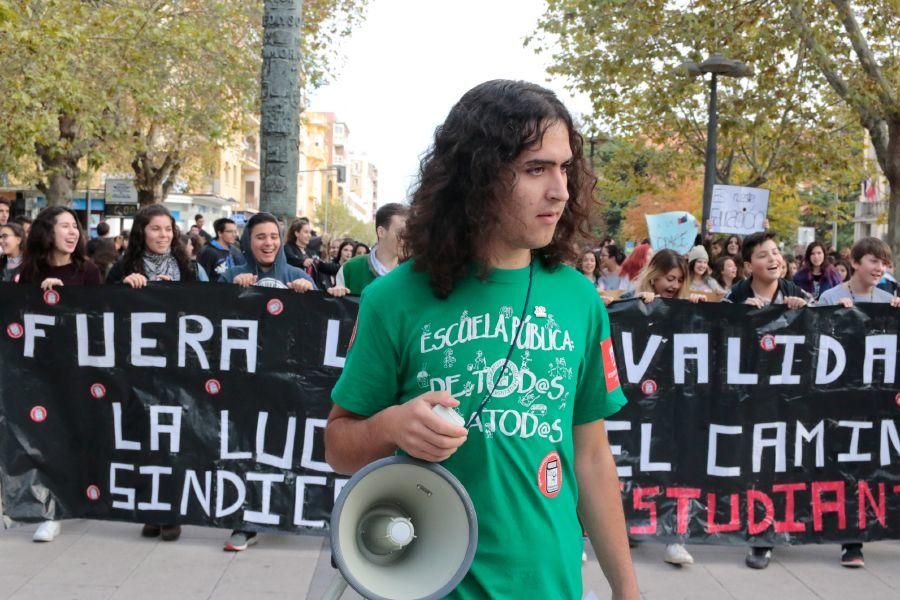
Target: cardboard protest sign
(675, 230)
(736, 209)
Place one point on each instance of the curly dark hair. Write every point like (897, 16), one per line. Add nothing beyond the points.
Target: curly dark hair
(39, 244)
(467, 174)
(133, 259)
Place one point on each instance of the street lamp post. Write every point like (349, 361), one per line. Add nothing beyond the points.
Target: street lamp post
(717, 65)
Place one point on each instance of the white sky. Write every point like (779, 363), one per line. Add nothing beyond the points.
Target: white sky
(411, 60)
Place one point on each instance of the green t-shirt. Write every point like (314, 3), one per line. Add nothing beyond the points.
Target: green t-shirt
(357, 274)
(518, 461)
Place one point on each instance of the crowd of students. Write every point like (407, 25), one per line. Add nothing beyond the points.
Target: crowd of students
(751, 271)
(51, 251)
(713, 268)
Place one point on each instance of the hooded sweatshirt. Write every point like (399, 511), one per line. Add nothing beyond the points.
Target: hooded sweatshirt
(277, 276)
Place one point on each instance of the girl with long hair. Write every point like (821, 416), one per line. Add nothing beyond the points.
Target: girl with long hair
(360, 248)
(816, 275)
(155, 252)
(725, 272)
(296, 247)
(732, 246)
(55, 251)
(55, 257)
(345, 252)
(665, 276)
(588, 265)
(11, 237)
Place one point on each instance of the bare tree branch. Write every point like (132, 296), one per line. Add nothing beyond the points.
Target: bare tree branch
(866, 58)
(876, 126)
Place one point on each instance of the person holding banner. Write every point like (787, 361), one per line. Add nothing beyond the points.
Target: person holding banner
(267, 264)
(663, 277)
(155, 252)
(502, 194)
(764, 286)
(55, 257)
(55, 251)
(870, 258)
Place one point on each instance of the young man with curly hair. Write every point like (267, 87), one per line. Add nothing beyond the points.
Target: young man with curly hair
(486, 310)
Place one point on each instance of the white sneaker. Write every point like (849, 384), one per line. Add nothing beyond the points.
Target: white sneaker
(47, 531)
(677, 554)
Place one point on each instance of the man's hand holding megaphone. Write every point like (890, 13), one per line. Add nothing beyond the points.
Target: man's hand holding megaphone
(352, 442)
(421, 433)
(402, 527)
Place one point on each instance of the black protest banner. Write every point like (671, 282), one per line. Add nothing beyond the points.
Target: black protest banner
(768, 426)
(191, 403)
(205, 404)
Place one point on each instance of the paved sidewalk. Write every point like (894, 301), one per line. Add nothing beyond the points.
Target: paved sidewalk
(105, 560)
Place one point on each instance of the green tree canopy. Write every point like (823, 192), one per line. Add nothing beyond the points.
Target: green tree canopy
(142, 84)
(332, 218)
(783, 126)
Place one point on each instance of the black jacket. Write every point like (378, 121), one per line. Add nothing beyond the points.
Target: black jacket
(741, 291)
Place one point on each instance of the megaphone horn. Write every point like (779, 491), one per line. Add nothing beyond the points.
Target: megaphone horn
(403, 529)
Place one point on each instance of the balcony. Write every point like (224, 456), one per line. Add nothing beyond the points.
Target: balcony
(869, 211)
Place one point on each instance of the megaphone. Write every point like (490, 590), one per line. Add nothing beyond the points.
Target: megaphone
(402, 529)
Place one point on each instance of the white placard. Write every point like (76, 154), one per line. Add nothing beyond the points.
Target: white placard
(736, 209)
(806, 235)
(121, 191)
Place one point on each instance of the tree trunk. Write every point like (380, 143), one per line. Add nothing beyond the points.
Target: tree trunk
(153, 183)
(60, 167)
(61, 175)
(891, 167)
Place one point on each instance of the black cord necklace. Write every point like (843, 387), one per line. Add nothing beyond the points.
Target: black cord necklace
(512, 346)
(853, 296)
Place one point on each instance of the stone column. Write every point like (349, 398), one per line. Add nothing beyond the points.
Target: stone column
(279, 139)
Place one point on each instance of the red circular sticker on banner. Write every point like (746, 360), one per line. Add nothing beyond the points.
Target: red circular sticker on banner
(93, 493)
(15, 330)
(98, 390)
(649, 387)
(897, 399)
(38, 414)
(550, 477)
(275, 306)
(51, 297)
(767, 343)
(213, 387)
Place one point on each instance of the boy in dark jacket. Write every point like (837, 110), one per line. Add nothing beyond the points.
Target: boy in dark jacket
(765, 286)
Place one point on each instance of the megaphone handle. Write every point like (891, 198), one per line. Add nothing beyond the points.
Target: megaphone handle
(336, 587)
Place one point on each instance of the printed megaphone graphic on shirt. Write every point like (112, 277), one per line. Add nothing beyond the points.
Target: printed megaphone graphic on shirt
(402, 529)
